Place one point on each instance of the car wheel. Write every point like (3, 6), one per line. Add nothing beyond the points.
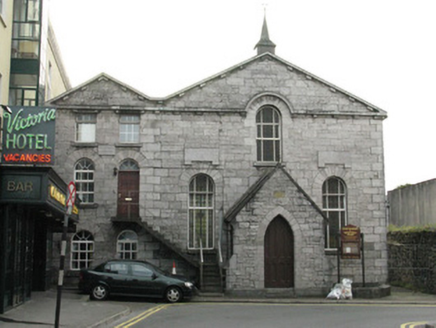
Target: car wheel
(99, 292)
(173, 294)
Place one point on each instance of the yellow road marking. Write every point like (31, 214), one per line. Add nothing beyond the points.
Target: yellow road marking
(142, 316)
(158, 308)
(413, 324)
(315, 304)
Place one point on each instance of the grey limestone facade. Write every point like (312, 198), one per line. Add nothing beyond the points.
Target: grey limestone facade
(212, 129)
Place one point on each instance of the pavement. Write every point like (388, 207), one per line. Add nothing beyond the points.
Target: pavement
(78, 311)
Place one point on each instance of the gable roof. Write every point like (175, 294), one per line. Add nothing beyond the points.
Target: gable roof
(291, 67)
(234, 210)
(100, 77)
(372, 109)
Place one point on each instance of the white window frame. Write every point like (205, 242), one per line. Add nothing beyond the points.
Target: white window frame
(127, 245)
(201, 203)
(329, 200)
(129, 128)
(82, 250)
(84, 172)
(268, 133)
(86, 126)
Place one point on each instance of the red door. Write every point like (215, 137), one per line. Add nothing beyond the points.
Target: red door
(128, 195)
(279, 255)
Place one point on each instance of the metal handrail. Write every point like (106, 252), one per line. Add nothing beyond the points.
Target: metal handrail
(201, 263)
(220, 254)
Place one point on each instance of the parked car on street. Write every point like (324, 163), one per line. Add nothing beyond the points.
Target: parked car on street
(133, 278)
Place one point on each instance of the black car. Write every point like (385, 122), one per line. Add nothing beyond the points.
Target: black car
(133, 278)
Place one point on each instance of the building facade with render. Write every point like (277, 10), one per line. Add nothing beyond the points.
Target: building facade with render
(256, 167)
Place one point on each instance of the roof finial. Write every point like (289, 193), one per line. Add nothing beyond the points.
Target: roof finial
(265, 44)
(264, 9)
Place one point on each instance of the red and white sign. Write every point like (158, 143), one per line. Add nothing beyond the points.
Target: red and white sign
(71, 194)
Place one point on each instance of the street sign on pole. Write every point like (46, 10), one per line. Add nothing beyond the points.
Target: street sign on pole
(71, 194)
(70, 203)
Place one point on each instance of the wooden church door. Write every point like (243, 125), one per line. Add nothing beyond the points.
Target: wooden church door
(279, 254)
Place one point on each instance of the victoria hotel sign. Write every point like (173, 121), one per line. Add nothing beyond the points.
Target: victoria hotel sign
(28, 135)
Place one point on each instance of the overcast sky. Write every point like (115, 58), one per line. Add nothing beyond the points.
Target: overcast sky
(382, 51)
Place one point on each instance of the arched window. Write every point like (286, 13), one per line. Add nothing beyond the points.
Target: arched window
(84, 179)
(127, 245)
(201, 212)
(82, 250)
(268, 135)
(334, 205)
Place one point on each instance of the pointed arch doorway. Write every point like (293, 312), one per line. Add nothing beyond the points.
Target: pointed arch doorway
(279, 254)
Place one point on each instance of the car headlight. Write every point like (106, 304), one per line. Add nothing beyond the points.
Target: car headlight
(189, 284)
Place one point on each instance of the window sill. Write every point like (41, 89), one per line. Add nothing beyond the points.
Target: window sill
(331, 251)
(128, 145)
(268, 164)
(84, 144)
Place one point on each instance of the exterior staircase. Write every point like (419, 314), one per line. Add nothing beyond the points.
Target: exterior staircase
(158, 236)
(212, 277)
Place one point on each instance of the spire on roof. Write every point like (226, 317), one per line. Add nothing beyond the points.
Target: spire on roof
(265, 44)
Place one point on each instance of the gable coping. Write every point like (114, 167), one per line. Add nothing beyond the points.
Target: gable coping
(253, 189)
(374, 110)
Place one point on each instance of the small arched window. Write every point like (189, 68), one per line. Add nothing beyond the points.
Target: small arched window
(268, 140)
(82, 250)
(127, 245)
(84, 179)
(334, 205)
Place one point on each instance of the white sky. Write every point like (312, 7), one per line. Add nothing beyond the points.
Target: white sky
(382, 51)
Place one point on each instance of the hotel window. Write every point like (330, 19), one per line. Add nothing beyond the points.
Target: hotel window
(85, 127)
(335, 208)
(268, 135)
(129, 128)
(82, 250)
(127, 245)
(201, 209)
(84, 179)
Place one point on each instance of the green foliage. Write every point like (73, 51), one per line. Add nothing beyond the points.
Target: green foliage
(403, 186)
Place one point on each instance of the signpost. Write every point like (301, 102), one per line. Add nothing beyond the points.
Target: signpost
(70, 204)
(350, 242)
(351, 247)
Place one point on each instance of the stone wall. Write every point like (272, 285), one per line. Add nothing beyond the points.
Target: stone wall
(412, 260)
(211, 128)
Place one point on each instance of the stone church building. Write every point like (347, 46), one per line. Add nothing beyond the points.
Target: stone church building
(254, 170)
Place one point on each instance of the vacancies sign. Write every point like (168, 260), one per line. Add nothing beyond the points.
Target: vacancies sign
(28, 135)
